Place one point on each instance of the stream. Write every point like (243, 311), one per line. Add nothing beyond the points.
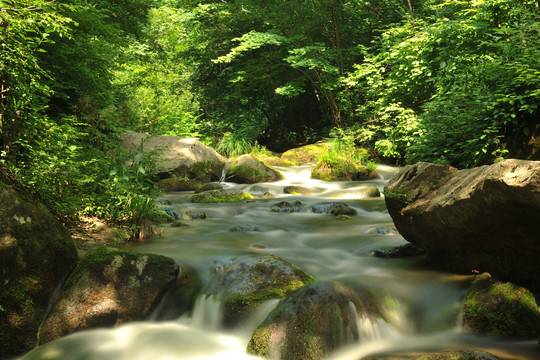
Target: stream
(423, 304)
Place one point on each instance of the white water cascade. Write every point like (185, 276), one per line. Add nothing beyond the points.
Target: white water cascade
(422, 305)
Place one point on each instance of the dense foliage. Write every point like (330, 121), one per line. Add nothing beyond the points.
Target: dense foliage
(438, 80)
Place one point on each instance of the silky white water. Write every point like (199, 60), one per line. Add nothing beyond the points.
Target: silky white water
(422, 304)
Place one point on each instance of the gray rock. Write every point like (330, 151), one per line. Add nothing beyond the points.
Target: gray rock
(403, 251)
(481, 219)
(285, 206)
(107, 288)
(36, 254)
(178, 157)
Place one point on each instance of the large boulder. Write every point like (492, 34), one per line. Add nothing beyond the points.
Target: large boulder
(247, 170)
(107, 288)
(312, 322)
(36, 254)
(483, 219)
(497, 308)
(177, 157)
(248, 281)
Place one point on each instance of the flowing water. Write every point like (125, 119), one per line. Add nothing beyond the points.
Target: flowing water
(423, 305)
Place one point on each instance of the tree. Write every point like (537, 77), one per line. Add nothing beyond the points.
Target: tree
(25, 28)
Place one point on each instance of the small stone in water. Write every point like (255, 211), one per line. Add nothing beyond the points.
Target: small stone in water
(243, 228)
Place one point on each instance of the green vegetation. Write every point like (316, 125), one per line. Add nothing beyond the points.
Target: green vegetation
(500, 308)
(435, 80)
(220, 196)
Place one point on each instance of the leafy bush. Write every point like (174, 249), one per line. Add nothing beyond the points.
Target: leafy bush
(232, 145)
(74, 177)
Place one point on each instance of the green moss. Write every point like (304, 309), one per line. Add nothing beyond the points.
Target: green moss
(245, 172)
(343, 217)
(205, 170)
(260, 343)
(500, 308)
(218, 197)
(400, 194)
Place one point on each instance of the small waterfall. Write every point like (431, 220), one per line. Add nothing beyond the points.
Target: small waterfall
(207, 313)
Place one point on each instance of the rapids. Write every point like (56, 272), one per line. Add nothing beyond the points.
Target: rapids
(422, 303)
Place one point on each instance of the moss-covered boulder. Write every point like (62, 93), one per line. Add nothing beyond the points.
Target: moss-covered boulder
(444, 355)
(107, 288)
(307, 154)
(248, 281)
(247, 170)
(334, 208)
(178, 184)
(312, 322)
(493, 307)
(221, 196)
(36, 254)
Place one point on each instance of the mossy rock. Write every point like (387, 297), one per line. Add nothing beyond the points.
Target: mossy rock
(178, 184)
(335, 208)
(193, 215)
(306, 154)
(248, 281)
(493, 307)
(273, 160)
(107, 288)
(336, 170)
(221, 196)
(285, 206)
(36, 254)
(247, 170)
(312, 322)
(243, 228)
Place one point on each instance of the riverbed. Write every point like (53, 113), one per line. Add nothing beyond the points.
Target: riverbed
(423, 304)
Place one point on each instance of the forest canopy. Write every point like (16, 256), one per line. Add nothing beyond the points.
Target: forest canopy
(445, 81)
